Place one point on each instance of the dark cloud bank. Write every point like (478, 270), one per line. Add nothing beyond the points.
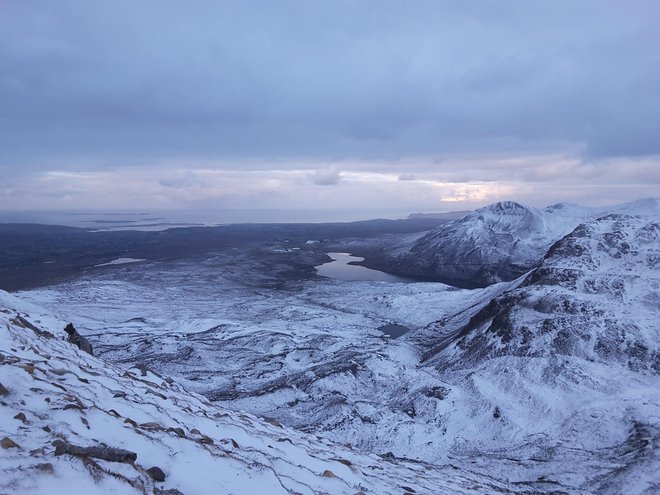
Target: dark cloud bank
(94, 86)
(329, 79)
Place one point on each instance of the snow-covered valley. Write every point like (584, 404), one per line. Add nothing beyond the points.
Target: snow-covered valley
(548, 383)
(72, 423)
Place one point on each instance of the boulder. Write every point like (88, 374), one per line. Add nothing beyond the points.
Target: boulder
(78, 340)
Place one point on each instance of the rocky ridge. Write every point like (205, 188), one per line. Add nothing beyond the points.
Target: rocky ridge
(571, 352)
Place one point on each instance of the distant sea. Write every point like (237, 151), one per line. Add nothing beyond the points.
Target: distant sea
(146, 219)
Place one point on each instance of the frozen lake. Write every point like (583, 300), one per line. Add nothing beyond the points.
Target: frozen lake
(342, 269)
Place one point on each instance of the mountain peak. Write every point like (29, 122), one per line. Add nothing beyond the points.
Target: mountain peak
(642, 207)
(504, 208)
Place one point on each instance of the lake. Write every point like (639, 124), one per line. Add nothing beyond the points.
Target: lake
(341, 269)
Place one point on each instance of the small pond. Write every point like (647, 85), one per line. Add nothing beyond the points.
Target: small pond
(393, 330)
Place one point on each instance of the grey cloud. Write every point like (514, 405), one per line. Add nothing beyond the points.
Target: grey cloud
(405, 177)
(325, 177)
(181, 180)
(126, 82)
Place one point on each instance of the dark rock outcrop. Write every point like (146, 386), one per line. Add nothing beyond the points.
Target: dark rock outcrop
(8, 443)
(22, 322)
(99, 452)
(78, 340)
(156, 473)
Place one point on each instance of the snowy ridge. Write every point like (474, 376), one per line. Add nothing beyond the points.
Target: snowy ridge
(55, 393)
(571, 354)
(498, 242)
(599, 281)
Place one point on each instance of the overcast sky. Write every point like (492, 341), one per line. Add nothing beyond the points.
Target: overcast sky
(412, 105)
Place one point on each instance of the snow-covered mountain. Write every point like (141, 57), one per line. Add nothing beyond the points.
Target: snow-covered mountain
(547, 383)
(594, 295)
(571, 353)
(73, 423)
(495, 243)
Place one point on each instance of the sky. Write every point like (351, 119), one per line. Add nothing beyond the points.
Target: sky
(416, 105)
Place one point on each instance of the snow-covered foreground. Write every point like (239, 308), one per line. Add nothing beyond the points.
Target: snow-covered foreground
(308, 354)
(546, 383)
(138, 432)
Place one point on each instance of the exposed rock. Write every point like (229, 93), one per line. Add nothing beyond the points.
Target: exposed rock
(157, 394)
(23, 323)
(150, 425)
(179, 432)
(206, 440)
(8, 443)
(21, 417)
(101, 452)
(3, 390)
(170, 491)
(45, 467)
(273, 422)
(78, 340)
(156, 473)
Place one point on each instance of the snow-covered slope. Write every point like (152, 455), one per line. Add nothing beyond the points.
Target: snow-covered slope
(311, 356)
(595, 295)
(497, 242)
(72, 423)
(571, 354)
(547, 383)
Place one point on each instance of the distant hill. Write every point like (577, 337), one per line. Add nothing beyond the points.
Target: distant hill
(450, 215)
(498, 242)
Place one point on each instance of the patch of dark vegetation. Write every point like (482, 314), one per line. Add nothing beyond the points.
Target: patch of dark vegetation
(34, 255)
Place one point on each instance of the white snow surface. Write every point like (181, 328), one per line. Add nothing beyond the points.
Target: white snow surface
(547, 383)
(55, 392)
